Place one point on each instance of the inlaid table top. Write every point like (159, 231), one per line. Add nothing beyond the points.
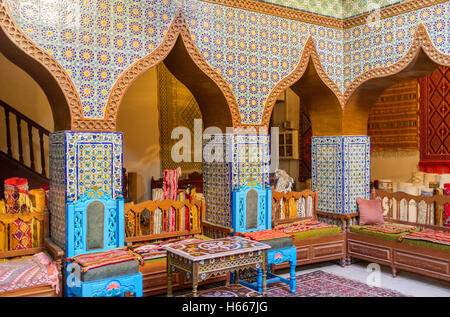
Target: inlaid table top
(216, 248)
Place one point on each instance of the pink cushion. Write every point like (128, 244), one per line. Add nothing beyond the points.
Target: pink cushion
(370, 211)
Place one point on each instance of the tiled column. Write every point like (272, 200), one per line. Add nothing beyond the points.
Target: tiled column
(340, 171)
(78, 162)
(244, 158)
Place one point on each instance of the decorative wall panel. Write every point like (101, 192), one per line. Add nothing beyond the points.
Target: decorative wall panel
(80, 161)
(243, 158)
(96, 41)
(177, 108)
(435, 122)
(340, 171)
(394, 118)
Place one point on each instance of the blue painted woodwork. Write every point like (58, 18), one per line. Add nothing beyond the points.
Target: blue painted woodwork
(113, 237)
(264, 205)
(264, 221)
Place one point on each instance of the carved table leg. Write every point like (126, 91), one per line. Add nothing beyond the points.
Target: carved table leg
(394, 271)
(264, 280)
(194, 279)
(292, 278)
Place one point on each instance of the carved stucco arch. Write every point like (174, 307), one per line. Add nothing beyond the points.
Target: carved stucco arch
(54, 80)
(421, 41)
(178, 28)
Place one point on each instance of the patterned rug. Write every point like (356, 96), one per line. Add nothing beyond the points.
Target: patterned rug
(314, 284)
(322, 284)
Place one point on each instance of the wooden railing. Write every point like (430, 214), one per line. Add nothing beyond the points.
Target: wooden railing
(295, 206)
(420, 211)
(291, 206)
(12, 114)
(149, 220)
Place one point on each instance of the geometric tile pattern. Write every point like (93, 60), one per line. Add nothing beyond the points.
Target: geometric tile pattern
(96, 40)
(336, 9)
(246, 157)
(253, 52)
(340, 171)
(78, 162)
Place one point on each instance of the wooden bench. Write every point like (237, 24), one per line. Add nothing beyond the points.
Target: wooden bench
(421, 212)
(142, 231)
(42, 243)
(310, 249)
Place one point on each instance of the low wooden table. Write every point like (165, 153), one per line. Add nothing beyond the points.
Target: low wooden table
(201, 260)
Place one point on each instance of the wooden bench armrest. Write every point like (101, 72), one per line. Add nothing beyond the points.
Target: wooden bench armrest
(223, 229)
(344, 218)
(55, 251)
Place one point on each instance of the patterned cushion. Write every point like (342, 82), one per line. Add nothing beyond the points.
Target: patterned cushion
(108, 271)
(90, 261)
(154, 250)
(29, 272)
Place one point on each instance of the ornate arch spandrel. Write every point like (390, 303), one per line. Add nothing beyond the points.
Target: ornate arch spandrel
(421, 41)
(14, 34)
(309, 54)
(177, 28)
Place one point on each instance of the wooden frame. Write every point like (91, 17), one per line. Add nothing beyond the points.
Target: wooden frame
(154, 274)
(401, 256)
(313, 249)
(43, 245)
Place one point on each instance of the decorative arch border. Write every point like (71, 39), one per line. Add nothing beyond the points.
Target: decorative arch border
(309, 54)
(177, 28)
(421, 40)
(23, 42)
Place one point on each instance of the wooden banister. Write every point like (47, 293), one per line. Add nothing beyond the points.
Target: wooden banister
(30, 126)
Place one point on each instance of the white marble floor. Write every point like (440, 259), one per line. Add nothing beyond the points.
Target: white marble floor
(407, 283)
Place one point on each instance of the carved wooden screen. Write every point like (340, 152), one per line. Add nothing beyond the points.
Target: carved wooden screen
(435, 122)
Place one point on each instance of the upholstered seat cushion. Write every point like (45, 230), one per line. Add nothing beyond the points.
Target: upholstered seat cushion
(279, 243)
(274, 238)
(316, 233)
(376, 234)
(396, 237)
(107, 271)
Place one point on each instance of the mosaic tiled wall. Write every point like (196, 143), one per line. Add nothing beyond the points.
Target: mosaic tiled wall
(78, 162)
(383, 44)
(96, 40)
(339, 9)
(340, 171)
(243, 158)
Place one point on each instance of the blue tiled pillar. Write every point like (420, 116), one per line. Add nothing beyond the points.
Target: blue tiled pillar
(340, 171)
(78, 162)
(244, 158)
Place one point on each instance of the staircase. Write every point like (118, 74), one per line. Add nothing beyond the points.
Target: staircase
(23, 148)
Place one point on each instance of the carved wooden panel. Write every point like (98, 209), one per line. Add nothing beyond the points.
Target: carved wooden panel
(421, 262)
(326, 250)
(435, 122)
(370, 251)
